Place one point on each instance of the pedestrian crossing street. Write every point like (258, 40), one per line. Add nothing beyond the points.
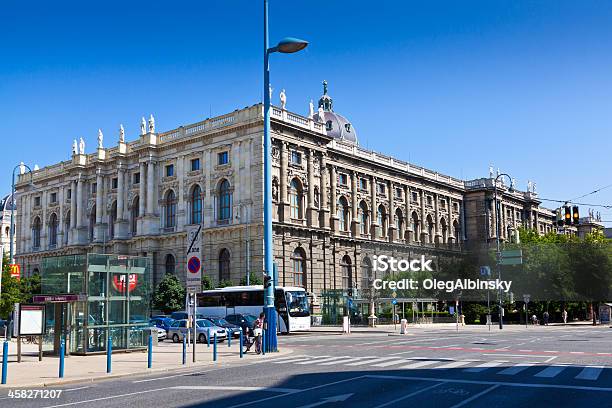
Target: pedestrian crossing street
(497, 367)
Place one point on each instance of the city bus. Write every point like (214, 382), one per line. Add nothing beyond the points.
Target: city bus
(292, 308)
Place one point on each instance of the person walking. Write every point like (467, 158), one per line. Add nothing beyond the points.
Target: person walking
(546, 315)
(564, 314)
(258, 330)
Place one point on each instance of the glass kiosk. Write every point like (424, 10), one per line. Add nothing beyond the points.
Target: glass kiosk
(89, 297)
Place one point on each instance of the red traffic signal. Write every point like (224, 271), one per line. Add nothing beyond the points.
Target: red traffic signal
(575, 215)
(568, 215)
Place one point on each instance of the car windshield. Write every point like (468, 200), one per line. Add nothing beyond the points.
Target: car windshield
(204, 323)
(250, 319)
(218, 321)
(297, 303)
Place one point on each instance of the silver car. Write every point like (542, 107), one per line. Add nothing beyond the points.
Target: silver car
(178, 329)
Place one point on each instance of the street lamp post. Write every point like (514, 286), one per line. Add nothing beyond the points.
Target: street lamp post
(13, 204)
(286, 46)
(498, 244)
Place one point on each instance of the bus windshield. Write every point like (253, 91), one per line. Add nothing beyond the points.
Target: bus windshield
(297, 304)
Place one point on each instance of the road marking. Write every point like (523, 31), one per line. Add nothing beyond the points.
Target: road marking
(516, 369)
(295, 360)
(234, 388)
(483, 366)
(590, 373)
(548, 360)
(318, 360)
(401, 352)
(107, 398)
(390, 363)
(576, 352)
(515, 355)
(550, 372)
(418, 364)
(473, 397)
(76, 389)
(370, 361)
(346, 361)
(386, 404)
(454, 364)
(526, 350)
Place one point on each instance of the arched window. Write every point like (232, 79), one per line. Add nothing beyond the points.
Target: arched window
(347, 275)
(444, 229)
(196, 205)
(8, 231)
(66, 228)
(430, 229)
(457, 230)
(170, 209)
(134, 214)
(363, 218)
(295, 199)
(298, 260)
(36, 233)
(53, 224)
(415, 226)
(224, 265)
(112, 220)
(367, 277)
(92, 222)
(225, 201)
(399, 223)
(343, 214)
(170, 264)
(381, 219)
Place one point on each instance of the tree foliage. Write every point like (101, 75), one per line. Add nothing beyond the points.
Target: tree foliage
(169, 295)
(254, 279)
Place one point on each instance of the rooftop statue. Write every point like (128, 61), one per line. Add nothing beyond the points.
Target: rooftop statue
(75, 148)
(81, 146)
(143, 126)
(121, 134)
(283, 99)
(151, 124)
(100, 139)
(310, 110)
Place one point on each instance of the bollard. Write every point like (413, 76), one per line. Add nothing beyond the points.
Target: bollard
(184, 350)
(215, 347)
(4, 361)
(207, 337)
(230, 333)
(240, 331)
(263, 341)
(109, 351)
(150, 354)
(61, 358)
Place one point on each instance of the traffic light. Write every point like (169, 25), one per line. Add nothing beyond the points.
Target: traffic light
(267, 281)
(568, 215)
(575, 215)
(559, 217)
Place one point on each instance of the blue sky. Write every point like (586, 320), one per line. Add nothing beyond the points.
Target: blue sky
(452, 86)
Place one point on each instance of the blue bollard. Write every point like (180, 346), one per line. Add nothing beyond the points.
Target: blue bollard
(184, 350)
(230, 333)
(61, 358)
(215, 347)
(150, 356)
(109, 351)
(263, 341)
(240, 331)
(207, 337)
(4, 361)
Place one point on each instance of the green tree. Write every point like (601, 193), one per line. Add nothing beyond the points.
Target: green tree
(11, 290)
(224, 283)
(29, 287)
(207, 283)
(254, 279)
(169, 295)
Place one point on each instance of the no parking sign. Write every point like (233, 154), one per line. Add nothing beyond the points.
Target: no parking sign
(194, 263)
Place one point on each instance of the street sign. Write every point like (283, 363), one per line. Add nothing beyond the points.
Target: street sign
(511, 257)
(394, 294)
(394, 301)
(194, 255)
(485, 271)
(526, 298)
(15, 271)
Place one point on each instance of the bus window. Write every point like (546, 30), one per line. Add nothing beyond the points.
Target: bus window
(298, 304)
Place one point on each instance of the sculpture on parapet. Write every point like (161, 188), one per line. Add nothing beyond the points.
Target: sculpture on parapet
(311, 110)
(151, 124)
(143, 126)
(283, 99)
(533, 188)
(100, 139)
(321, 115)
(529, 186)
(513, 183)
(22, 168)
(490, 171)
(121, 134)
(81, 146)
(75, 148)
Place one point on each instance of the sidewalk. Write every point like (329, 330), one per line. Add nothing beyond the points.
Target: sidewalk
(167, 356)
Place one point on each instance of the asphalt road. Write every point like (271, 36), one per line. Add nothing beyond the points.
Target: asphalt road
(550, 366)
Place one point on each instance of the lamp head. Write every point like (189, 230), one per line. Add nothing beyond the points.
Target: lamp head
(289, 45)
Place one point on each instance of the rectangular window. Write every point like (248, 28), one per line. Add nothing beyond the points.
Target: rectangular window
(53, 197)
(69, 193)
(94, 188)
(381, 189)
(195, 164)
(114, 183)
(36, 201)
(170, 170)
(429, 200)
(399, 193)
(363, 184)
(343, 179)
(442, 204)
(456, 206)
(136, 178)
(415, 197)
(222, 158)
(296, 157)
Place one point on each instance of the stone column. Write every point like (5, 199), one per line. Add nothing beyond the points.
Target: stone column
(150, 188)
(121, 224)
(79, 203)
(334, 199)
(141, 193)
(424, 232)
(324, 214)
(73, 204)
(438, 236)
(310, 210)
(408, 235)
(99, 193)
(449, 224)
(374, 227)
(354, 205)
(283, 202)
(392, 228)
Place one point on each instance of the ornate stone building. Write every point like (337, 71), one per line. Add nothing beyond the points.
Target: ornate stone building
(336, 204)
(5, 223)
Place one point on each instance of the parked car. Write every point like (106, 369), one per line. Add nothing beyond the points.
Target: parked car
(178, 329)
(183, 315)
(161, 333)
(243, 320)
(221, 322)
(161, 322)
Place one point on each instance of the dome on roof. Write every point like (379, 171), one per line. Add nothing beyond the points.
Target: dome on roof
(337, 126)
(5, 203)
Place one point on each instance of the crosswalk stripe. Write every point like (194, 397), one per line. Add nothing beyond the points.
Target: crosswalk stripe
(550, 372)
(296, 359)
(370, 361)
(515, 369)
(453, 364)
(288, 358)
(418, 364)
(320, 360)
(390, 363)
(590, 373)
(483, 366)
(347, 360)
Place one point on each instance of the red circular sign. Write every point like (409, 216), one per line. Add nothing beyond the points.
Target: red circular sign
(119, 282)
(194, 264)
